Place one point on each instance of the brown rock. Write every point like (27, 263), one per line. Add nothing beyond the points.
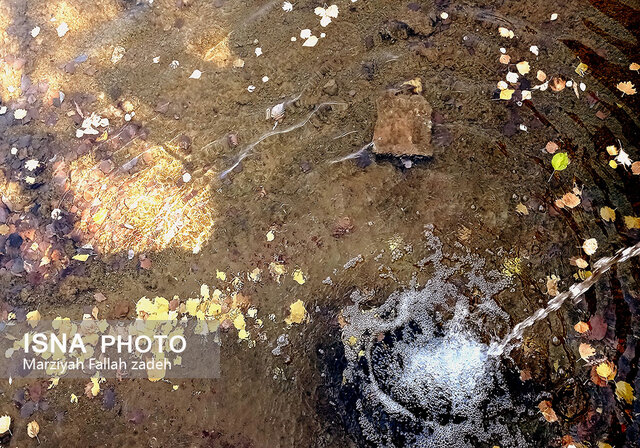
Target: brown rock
(403, 127)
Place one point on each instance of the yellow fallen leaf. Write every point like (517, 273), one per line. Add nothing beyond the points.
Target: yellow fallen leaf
(33, 317)
(416, 83)
(634, 66)
(33, 429)
(352, 340)
(81, 257)
(608, 214)
(586, 351)
(522, 209)
(297, 313)
(604, 445)
(270, 235)
(298, 276)
(277, 270)
(523, 67)
(5, 424)
(541, 76)
(102, 137)
(243, 334)
(239, 322)
(612, 150)
(613, 164)
(175, 387)
(95, 388)
(632, 222)
(74, 398)
(624, 391)
(506, 94)
(505, 32)
(606, 370)
(99, 217)
(582, 68)
(221, 275)
(626, 88)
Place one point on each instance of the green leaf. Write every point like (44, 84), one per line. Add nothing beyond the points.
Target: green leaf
(560, 161)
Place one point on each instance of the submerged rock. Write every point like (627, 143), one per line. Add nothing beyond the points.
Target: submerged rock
(403, 127)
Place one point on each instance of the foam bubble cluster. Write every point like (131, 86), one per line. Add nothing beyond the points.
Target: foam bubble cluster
(419, 363)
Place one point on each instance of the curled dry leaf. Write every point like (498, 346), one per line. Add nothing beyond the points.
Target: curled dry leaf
(557, 84)
(608, 214)
(586, 351)
(547, 411)
(571, 200)
(590, 246)
(581, 327)
(626, 87)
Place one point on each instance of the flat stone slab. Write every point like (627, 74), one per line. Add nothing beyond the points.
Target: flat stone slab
(403, 127)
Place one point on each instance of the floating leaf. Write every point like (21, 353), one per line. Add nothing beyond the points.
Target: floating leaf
(586, 351)
(297, 313)
(604, 445)
(547, 411)
(590, 246)
(613, 164)
(582, 68)
(581, 327)
(523, 67)
(560, 161)
(5, 424)
(624, 391)
(608, 214)
(33, 429)
(522, 209)
(506, 94)
(632, 222)
(626, 88)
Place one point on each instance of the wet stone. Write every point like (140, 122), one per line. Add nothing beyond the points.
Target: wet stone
(403, 127)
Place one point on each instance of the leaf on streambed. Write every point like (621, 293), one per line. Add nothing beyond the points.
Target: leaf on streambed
(33, 428)
(604, 445)
(221, 275)
(626, 88)
(74, 398)
(92, 388)
(5, 424)
(552, 285)
(571, 200)
(634, 66)
(581, 327)
(590, 246)
(612, 150)
(505, 59)
(81, 257)
(277, 270)
(586, 351)
(506, 94)
(635, 168)
(552, 147)
(547, 411)
(582, 68)
(506, 32)
(579, 262)
(99, 217)
(606, 370)
(270, 235)
(608, 214)
(298, 276)
(522, 209)
(632, 222)
(523, 67)
(624, 391)
(297, 313)
(560, 161)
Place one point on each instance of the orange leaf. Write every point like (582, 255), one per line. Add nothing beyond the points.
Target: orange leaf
(581, 327)
(626, 87)
(547, 411)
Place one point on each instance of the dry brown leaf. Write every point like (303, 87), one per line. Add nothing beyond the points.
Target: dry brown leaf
(547, 411)
(571, 200)
(586, 351)
(626, 87)
(557, 84)
(559, 203)
(552, 285)
(608, 214)
(552, 147)
(581, 327)
(525, 375)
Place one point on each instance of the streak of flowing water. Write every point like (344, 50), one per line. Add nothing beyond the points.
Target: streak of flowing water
(576, 290)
